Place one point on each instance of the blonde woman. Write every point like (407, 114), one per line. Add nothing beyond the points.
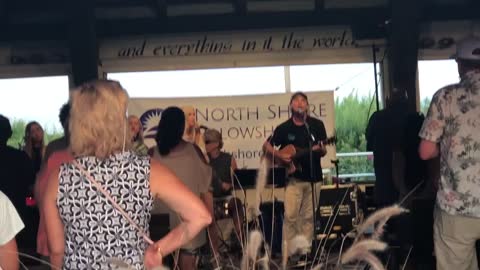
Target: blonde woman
(85, 230)
(192, 131)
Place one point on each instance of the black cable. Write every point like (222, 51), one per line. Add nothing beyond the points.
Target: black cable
(376, 81)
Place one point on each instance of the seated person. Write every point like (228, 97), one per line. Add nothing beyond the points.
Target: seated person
(225, 205)
(136, 133)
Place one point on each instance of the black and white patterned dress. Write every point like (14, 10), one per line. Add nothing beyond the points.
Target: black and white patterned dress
(95, 231)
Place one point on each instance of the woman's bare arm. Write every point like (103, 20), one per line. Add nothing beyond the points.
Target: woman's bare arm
(53, 223)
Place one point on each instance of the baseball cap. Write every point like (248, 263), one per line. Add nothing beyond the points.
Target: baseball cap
(212, 135)
(468, 49)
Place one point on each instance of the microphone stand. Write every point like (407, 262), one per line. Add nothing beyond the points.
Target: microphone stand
(312, 185)
(335, 163)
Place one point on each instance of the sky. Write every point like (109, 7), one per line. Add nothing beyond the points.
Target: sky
(343, 78)
(37, 98)
(436, 74)
(40, 98)
(245, 81)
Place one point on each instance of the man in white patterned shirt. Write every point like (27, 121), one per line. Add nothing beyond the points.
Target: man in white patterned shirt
(10, 225)
(452, 130)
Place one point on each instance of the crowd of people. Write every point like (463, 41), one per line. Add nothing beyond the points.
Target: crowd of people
(86, 199)
(76, 226)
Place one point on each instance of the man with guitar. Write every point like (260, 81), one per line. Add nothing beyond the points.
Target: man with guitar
(305, 134)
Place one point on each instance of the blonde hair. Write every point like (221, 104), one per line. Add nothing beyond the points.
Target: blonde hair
(190, 134)
(187, 110)
(193, 134)
(98, 123)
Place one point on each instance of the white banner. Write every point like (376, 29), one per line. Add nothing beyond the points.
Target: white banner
(244, 121)
(218, 43)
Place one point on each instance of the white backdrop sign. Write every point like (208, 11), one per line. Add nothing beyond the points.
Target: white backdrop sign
(244, 121)
(218, 43)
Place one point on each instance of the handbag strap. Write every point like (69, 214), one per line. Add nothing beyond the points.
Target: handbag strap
(112, 201)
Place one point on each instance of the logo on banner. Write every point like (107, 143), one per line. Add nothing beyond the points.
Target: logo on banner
(149, 120)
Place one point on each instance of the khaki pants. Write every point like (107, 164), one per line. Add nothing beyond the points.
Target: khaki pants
(298, 218)
(454, 237)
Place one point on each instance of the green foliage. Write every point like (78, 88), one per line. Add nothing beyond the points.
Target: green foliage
(424, 105)
(351, 118)
(18, 131)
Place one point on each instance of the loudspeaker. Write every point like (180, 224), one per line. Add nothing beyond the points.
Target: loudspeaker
(339, 211)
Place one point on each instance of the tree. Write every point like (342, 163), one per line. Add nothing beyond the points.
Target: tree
(425, 104)
(18, 132)
(351, 118)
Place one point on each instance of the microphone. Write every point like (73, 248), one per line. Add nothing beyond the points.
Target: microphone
(300, 111)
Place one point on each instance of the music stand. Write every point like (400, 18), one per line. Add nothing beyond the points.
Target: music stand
(277, 177)
(247, 178)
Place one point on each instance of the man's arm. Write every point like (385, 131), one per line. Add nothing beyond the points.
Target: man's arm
(433, 128)
(227, 184)
(9, 255)
(321, 148)
(271, 153)
(10, 225)
(321, 136)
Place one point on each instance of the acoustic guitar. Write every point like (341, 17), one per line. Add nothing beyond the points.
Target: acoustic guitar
(296, 153)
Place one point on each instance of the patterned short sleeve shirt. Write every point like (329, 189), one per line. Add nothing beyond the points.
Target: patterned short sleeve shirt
(453, 121)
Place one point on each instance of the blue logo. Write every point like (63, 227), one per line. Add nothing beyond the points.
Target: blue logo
(291, 137)
(149, 120)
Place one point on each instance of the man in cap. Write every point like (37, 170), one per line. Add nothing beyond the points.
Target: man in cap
(225, 205)
(451, 130)
(301, 131)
